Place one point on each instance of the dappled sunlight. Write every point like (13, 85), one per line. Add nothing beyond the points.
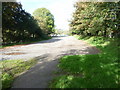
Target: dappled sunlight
(95, 73)
(86, 50)
(90, 71)
(58, 45)
(36, 46)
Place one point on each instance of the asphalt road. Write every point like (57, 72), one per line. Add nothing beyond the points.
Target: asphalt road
(48, 53)
(56, 45)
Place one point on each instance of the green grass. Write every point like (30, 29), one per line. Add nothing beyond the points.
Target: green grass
(13, 68)
(91, 71)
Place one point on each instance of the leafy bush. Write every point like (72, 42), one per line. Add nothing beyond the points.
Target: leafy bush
(7, 80)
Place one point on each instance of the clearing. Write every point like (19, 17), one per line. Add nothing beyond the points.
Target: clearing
(47, 52)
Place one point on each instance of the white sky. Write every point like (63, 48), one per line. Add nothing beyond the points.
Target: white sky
(61, 9)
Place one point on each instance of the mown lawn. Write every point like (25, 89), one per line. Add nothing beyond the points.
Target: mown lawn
(91, 71)
(13, 68)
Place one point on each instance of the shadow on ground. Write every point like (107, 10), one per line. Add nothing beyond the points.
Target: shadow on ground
(39, 75)
(88, 50)
(48, 41)
(54, 39)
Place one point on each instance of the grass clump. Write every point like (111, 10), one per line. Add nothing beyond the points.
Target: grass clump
(13, 68)
(91, 71)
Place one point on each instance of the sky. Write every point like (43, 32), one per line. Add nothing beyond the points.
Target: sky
(61, 9)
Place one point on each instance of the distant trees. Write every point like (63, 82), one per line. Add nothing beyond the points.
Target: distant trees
(96, 19)
(45, 20)
(62, 32)
(18, 25)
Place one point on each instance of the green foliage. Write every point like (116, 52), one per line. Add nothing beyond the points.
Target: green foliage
(73, 65)
(45, 20)
(96, 19)
(18, 25)
(91, 71)
(6, 80)
(12, 69)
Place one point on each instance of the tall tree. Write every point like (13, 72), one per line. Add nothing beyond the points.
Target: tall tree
(18, 25)
(95, 18)
(45, 20)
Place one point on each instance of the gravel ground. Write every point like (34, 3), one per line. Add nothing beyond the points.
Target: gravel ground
(57, 45)
(47, 52)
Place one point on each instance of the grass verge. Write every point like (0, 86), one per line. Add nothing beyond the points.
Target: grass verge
(25, 42)
(13, 68)
(91, 71)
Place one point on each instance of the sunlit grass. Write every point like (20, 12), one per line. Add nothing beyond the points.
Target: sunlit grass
(13, 68)
(91, 71)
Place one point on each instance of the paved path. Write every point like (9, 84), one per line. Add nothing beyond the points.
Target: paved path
(47, 52)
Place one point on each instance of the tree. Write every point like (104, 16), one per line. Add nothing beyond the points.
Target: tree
(45, 20)
(95, 18)
(18, 25)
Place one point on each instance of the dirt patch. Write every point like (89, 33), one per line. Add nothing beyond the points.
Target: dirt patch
(14, 46)
(16, 53)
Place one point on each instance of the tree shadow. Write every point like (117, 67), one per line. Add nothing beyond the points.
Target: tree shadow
(96, 73)
(60, 36)
(99, 71)
(48, 41)
(39, 75)
(87, 50)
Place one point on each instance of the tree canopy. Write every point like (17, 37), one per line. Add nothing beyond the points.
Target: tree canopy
(17, 24)
(96, 19)
(45, 20)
